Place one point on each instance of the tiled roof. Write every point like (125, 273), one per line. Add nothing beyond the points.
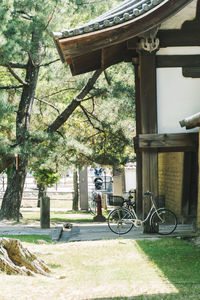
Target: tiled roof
(127, 10)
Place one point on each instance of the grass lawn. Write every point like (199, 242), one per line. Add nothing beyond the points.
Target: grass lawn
(111, 269)
(30, 238)
(60, 216)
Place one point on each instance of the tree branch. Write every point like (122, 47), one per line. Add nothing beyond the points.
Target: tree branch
(89, 120)
(55, 93)
(107, 78)
(23, 12)
(43, 101)
(6, 162)
(9, 87)
(49, 63)
(15, 65)
(63, 117)
(51, 17)
(15, 75)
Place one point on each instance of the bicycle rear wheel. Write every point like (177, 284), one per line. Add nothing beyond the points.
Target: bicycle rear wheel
(164, 221)
(92, 207)
(120, 221)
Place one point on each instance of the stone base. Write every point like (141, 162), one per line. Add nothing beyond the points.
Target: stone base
(99, 218)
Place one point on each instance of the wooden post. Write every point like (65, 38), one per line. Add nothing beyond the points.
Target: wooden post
(138, 153)
(83, 188)
(45, 212)
(198, 204)
(148, 124)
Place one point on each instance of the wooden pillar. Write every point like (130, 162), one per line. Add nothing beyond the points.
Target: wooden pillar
(83, 189)
(138, 130)
(198, 206)
(148, 124)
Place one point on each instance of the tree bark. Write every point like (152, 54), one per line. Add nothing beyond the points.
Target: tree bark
(11, 203)
(75, 195)
(15, 259)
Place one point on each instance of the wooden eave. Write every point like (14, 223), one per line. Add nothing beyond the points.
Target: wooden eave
(86, 52)
(102, 48)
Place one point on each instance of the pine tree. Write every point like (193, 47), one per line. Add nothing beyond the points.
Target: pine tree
(24, 34)
(26, 50)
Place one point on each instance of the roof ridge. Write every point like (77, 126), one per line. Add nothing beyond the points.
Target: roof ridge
(127, 10)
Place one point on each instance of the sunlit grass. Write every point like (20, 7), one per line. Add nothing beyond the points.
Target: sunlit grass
(114, 269)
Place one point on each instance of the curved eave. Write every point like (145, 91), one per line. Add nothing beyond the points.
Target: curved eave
(86, 43)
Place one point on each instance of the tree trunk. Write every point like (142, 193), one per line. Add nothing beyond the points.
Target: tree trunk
(15, 259)
(75, 195)
(11, 203)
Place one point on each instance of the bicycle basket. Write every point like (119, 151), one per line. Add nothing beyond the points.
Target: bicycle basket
(115, 200)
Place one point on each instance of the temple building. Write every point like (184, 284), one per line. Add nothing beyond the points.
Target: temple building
(161, 39)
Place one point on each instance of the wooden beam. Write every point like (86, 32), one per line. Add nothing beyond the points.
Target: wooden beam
(178, 37)
(133, 43)
(175, 61)
(192, 72)
(85, 63)
(174, 142)
(112, 55)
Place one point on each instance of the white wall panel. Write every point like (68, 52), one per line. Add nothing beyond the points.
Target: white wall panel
(177, 98)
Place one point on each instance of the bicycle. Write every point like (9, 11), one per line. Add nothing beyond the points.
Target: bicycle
(121, 220)
(92, 204)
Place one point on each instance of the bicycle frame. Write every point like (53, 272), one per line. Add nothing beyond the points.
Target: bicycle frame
(152, 209)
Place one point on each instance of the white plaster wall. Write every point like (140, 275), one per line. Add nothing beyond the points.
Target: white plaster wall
(177, 98)
(179, 51)
(187, 13)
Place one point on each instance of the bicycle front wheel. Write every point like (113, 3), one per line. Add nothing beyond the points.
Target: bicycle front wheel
(120, 221)
(164, 221)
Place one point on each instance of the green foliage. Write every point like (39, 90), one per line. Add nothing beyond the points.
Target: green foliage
(109, 133)
(25, 25)
(47, 177)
